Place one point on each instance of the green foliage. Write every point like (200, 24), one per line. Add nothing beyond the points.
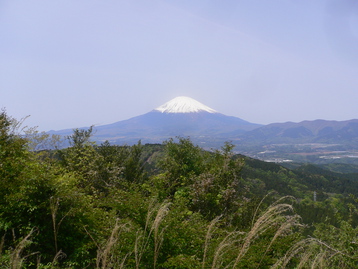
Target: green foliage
(209, 181)
(182, 161)
(102, 167)
(80, 137)
(165, 206)
(341, 244)
(219, 190)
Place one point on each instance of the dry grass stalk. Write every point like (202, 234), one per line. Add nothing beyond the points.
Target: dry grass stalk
(293, 251)
(272, 216)
(121, 265)
(16, 260)
(2, 243)
(104, 254)
(59, 255)
(138, 253)
(222, 248)
(304, 259)
(54, 204)
(320, 260)
(208, 235)
(310, 247)
(151, 227)
(227, 243)
(288, 223)
(142, 240)
(258, 207)
(335, 251)
(159, 236)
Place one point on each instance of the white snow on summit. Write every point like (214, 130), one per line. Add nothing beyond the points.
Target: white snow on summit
(183, 104)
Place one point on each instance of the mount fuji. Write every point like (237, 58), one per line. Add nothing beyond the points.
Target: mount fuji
(181, 116)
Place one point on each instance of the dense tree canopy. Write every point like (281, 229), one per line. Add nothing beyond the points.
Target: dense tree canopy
(166, 206)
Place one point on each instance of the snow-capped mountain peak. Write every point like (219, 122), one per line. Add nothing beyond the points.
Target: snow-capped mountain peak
(183, 104)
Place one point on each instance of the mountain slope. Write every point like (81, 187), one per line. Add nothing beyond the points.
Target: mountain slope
(317, 131)
(181, 116)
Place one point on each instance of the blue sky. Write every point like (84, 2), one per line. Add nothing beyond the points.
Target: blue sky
(77, 63)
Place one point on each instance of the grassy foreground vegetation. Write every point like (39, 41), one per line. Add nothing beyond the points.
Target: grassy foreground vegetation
(166, 206)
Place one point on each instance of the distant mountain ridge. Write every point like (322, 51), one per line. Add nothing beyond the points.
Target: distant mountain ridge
(156, 126)
(181, 116)
(317, 131)
(186, 117)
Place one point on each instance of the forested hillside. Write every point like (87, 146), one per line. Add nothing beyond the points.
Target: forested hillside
(170, 205)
